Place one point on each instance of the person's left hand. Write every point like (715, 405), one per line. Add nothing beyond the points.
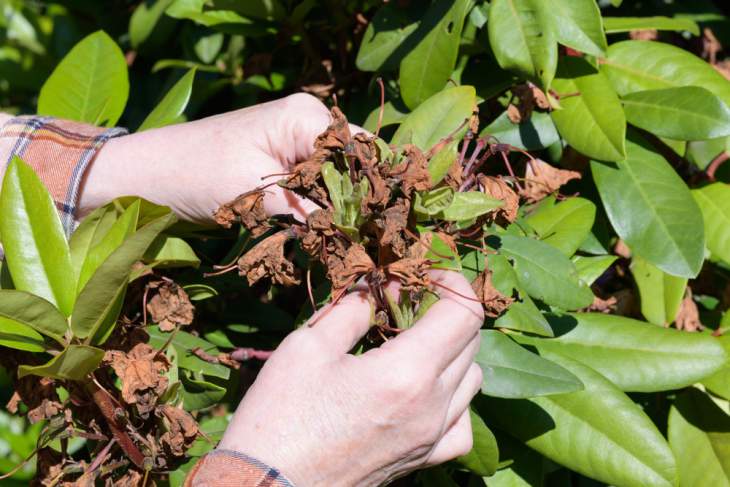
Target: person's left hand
(197, 166)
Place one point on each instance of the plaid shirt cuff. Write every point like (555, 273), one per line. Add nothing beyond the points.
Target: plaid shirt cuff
(226, 468)
(60, 152)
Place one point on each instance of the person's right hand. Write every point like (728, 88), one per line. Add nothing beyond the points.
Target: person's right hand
(325, 417)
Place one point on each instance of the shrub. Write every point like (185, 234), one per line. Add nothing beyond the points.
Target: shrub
(578, 184)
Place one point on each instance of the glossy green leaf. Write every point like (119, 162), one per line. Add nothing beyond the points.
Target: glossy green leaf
(184, 343)
(200, 393)
(122, 228)
(441, 162)
(98, 301)
(652, 210)
(34, 312)
(538, 132)
(171, 252)
(513, 372)
(484, 455)
(144, 19)
(545, 273)
(36, 251)
(74, 363)
(645, 65)
(660, 293)
(19, 336)
(699, 434)
(714, 201)
(392, 115)
(522, 39)
(578, 24)
(598, 432)
(469, 205)
(208, 45)
(591, 268)
(522, 466)
(90, 84)
(634, 355)
(564, 225)
(89, 233)
(436, 118)
(683, 113)
(381, 47)
(427, 67)
(614, 25)
(592, 120)
(172, 104)
(442, 255)
(524, 316)
(719, 382)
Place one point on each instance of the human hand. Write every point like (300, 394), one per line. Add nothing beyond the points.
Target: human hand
(196, 167)
(325, 417)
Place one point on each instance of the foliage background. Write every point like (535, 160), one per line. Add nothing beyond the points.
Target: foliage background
(246, 52)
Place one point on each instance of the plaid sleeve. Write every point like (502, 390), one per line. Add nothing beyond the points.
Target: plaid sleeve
(226, 468)
(59, 151)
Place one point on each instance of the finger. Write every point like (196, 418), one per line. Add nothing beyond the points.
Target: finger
(465, 392)
(448, 326)
(453, 375)
(343, 324)
(457, 441)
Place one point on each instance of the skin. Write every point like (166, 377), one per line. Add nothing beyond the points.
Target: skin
(316, 412)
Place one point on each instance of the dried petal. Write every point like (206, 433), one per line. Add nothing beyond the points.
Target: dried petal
(547, 180)
(141, 372)
(412, 273)
(495, 303)
(498, 188)
(688, 317)
(267, 259)
(414, 171)
(394, 221)
(356, 263)
(248, 208)
(337, 135)
(171, 306)
(181, 429)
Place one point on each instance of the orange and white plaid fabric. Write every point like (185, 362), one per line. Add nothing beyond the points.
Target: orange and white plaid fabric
(225, 468)
(60, 152)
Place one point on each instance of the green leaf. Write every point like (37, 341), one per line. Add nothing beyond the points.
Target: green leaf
(513, 372)
(427, 67)
(207, 46)
(524, 316)
(719, 382)
(578, 24)
(591, 268)
(89, 233)
(699, 434)
(652, 210)
(660, 293)
(333, 181)
(538, 132)
(684, 113)
(592, 120)
(442, 255)
(171, 252)
(119, 231)
(19, 336)
(598, 432)
(199, 393)
(90, 84)
(35, 247)
(565, 225)
(645, 65)
(469, 205)
(392, 115)
(74, 363)
(436, 118)
(522, 40)
(184, 343)
(97, 303)
(545, 273)
(172, 104)
(614, 25)
(484, 455)
(381, 47)
(441, 162)
(634, 355)
(34, 312)
(144, 19)
(714, 201)
(524, 466)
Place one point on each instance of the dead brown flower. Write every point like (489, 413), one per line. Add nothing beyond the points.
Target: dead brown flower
(141, 372)
(267, 259)
(171, 306)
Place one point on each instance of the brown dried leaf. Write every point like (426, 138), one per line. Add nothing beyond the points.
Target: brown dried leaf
(547, 180)
(248, 208)
(141, 372)
(181, 429)
(495, 303)
(498, 188)
(171, 306)
(267, 259)
(131, 478)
